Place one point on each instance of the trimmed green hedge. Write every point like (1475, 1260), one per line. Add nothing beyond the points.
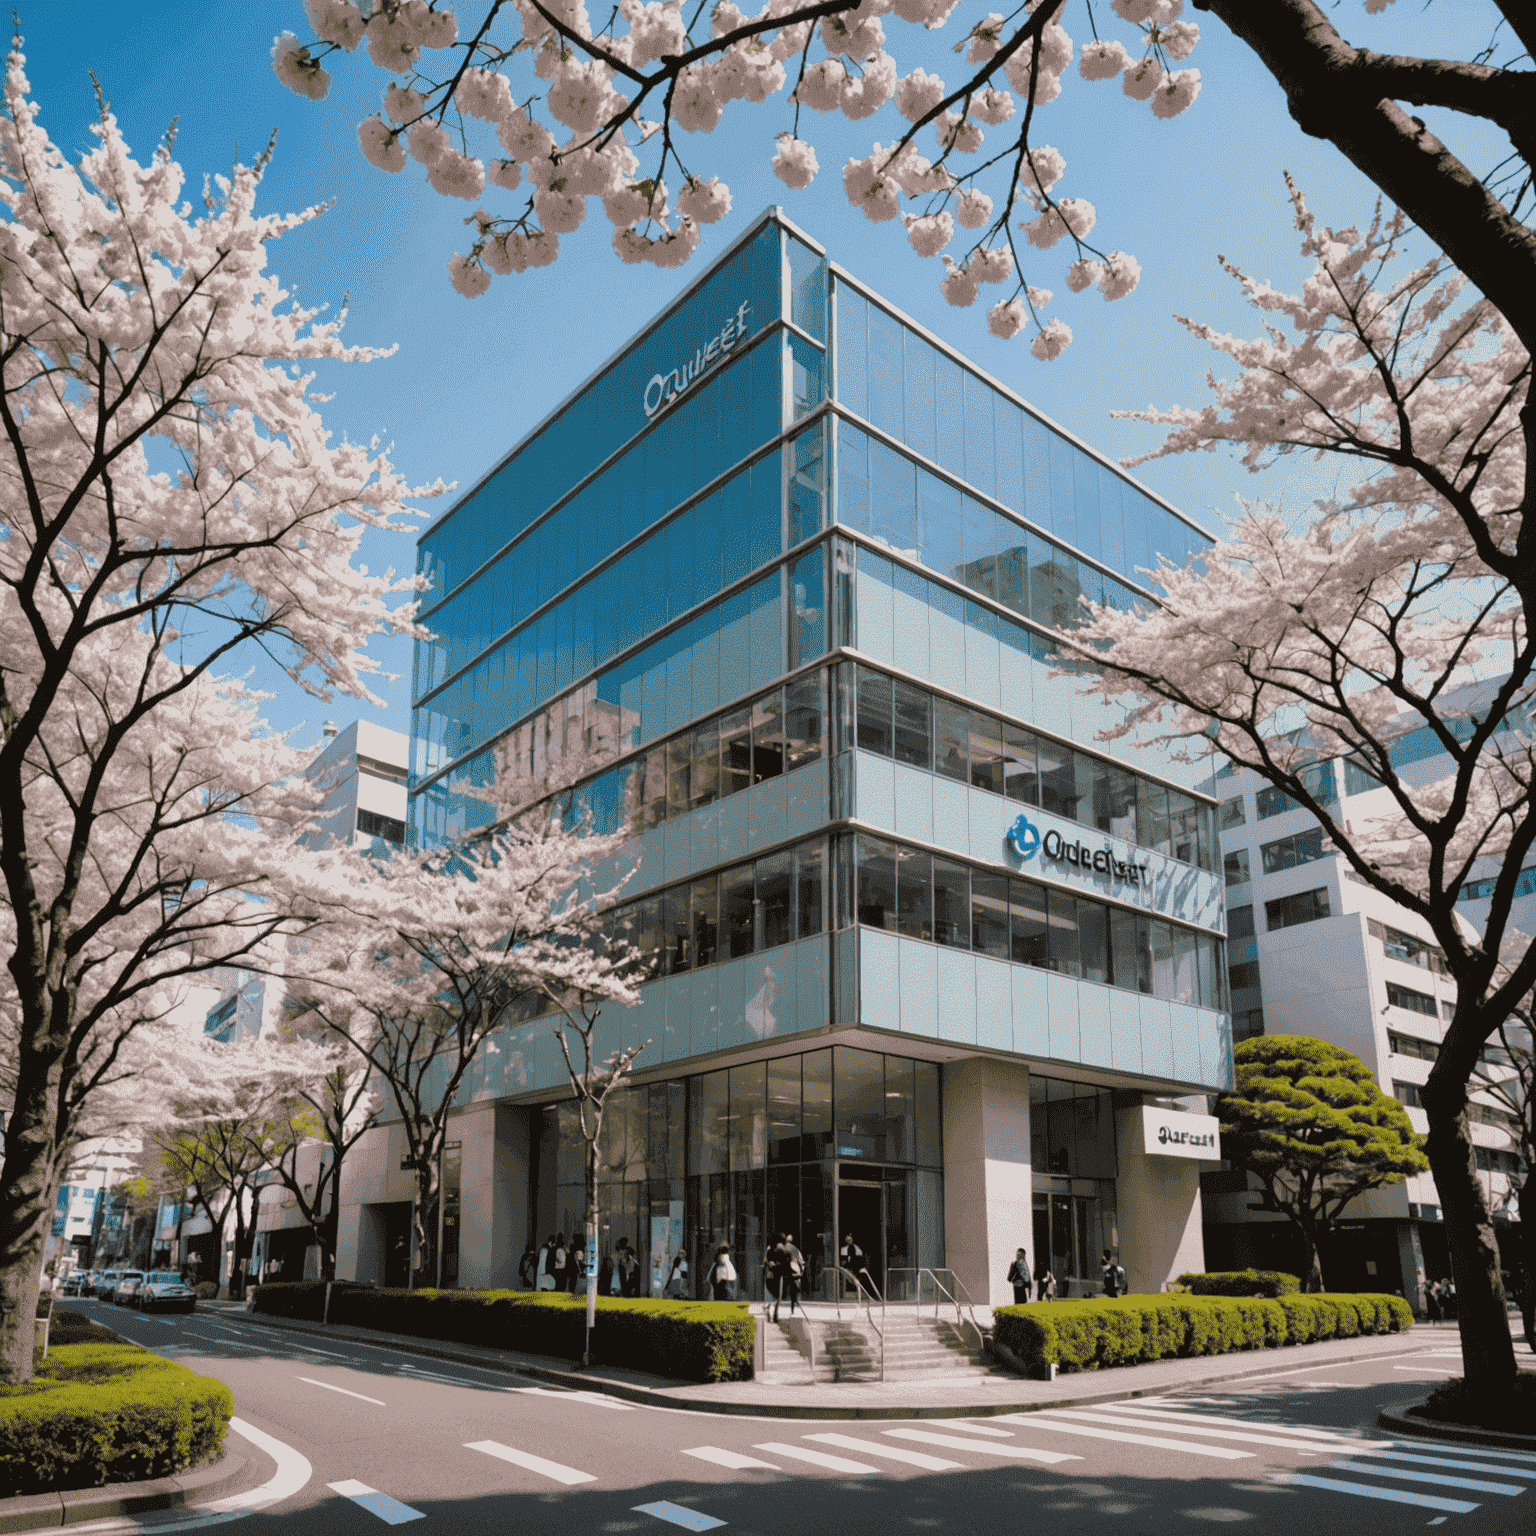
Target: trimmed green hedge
(1131, 1330)
(70, 1327)
(693, 1340)
(107, 1413)
(1241, 1282)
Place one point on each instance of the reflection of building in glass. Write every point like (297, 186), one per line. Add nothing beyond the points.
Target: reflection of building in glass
(918, 954)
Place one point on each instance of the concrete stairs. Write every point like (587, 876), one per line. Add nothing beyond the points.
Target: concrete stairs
(848, 1348)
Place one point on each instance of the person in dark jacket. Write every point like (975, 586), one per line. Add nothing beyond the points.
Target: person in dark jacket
(722, 1275)
(1018, 1278)
(1114, 1276)
(528, 1267)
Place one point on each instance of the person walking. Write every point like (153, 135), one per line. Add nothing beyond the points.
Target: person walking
(1114, 1276)
(677, 1278)
(577, 1268)
(1432, 1301)
(547, 1280)
(560, 1264)
(722, 1275)
(794, 1269)
(629, 1269)
(528, 1267)
(1045, 1284)
(851, 1257)
(1018, 1278)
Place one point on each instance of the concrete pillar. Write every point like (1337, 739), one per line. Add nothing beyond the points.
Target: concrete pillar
(370, 1175)
(1158, 1201)
(494, 1194)
(988, 1189)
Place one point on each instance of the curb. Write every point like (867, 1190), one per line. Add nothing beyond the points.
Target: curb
(1400, 1418)
(36, 1511)
(650, 1397)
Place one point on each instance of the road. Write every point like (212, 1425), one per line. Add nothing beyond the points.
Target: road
(395, 1438)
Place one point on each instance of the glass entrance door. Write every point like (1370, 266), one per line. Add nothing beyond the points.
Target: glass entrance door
(861, 1216)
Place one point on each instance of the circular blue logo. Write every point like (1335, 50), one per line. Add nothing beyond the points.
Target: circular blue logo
(1024, 837)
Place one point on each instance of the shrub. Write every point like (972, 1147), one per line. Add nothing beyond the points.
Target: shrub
(1241, 1282)
(1514, 1411)
(1130, 1330)
(103, 1413)
(70, 1327)
(207, 1290)
(694, 1340)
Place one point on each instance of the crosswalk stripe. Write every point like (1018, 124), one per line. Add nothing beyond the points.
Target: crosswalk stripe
(679, 1514)
(816, 1458)
(978, 1429)
(1443, 1461)
(1370, 1491)
(890, 1452)
(1436, 1479)
(729, 1459)
(1295, 1431)
(1489, 1451)
(530, 1463)
(390, 1511)
(1163, 1442)
(981, 1447)
(1312, 1447)
(377, 1401)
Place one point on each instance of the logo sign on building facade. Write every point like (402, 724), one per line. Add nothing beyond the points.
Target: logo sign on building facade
(664, 388)
(1026, 839)
(1176, 1133)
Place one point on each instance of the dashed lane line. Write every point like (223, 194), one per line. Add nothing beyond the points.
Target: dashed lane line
(345, 1392)
(530, 1463)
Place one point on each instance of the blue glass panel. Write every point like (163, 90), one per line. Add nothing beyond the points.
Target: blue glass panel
(893, 498)
(735, 646)
(1037, 473)
(767, 630)
(852, 350)
(1111, 519)
(939, 527)
(1085, 493)
(949, 413)
(678, 539)
(980, 446)
(807, 485)
(765, 487)
(1008, 425)
(808, 605)
(922, 428)
(808, 368)
(807, 287)
(708, 528)
(886, 393)
(705, 638)
(1063, 507)
(852, 477)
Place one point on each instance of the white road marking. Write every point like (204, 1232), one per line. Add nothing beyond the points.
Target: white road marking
(309, 1349)
(1440, 1480)
(1368, 1491)
(981, 1447)
(1298, 1432)
(729, 1459)
(530, 1463)
(978, 1429)
(293, 1472)
(596, 1399)
(1465, 1449)
(1434, 1370)
(390, 1511)
(345, 1392)
(890, 1452)
(1443, 1461)
(1163, 1442)
(1312, 1447)
(679, 1514)
(816, 1458)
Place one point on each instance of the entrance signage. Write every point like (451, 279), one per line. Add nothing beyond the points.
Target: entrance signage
(1025, 838)
(666, 387)
(1176, 1133)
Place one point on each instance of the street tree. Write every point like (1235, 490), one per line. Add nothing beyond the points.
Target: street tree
(1308, 1120)
(1404, 607)
(609, 107)
(425, 956)
(171, 495)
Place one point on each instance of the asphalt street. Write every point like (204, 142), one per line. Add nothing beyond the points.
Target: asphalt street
(394, 1438)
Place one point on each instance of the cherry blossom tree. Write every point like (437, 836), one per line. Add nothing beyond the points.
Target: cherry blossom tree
(1404, 606)
(611, 108)
(170, 495)
(424, 957)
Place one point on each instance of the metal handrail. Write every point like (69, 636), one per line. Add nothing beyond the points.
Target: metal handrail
(958, 1297)
(859, 1290)
(810, 1333)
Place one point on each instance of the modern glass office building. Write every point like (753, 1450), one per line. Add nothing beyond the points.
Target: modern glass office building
(924, 960)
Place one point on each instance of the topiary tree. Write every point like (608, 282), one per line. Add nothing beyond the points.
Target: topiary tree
(1308, 1119)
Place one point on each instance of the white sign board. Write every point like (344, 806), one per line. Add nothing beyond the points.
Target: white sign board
(1173, 1133)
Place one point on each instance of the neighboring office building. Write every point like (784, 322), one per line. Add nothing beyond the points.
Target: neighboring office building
(364, 769)
(1314, 951)
(926, 963)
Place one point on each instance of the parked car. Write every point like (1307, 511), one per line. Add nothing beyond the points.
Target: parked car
(75, 1282)
(106, 1283)
(126, 1292)
(163, 1290)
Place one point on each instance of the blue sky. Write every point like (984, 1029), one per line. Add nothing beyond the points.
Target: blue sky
(470, 376)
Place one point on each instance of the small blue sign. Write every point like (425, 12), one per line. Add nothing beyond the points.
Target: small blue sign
(1024, 837)
(850, 1151)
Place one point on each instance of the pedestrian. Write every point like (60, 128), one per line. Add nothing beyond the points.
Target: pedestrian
(1448, 1298)
(1018, 1278)
(1114, 1276)
(722, 1275)
(549, 1279)
(577, 1268)
(1045, 1284)
(528, 1267)
(677, 1279)
(792, 1264)
(852, 1258)
(607, 1275)
(629, 1270)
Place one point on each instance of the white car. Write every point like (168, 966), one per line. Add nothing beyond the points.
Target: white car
(164, 1291)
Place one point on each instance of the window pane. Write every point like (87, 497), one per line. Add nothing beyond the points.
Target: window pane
(1027, 922)
(654, 790)
(804, 719)
(1186, 983)
(1122, 948)
(810, 889)
(1066, 950)
(736, 912)
(914, 893)
(877, 883)
(1093, 939)
(928, 1127)
(679, 760)
(1152, 816)
(1058, 779)
(1092, 777)
(735, 751)
(714, 1122)
(951, 903)
(951, 733)
(989, 914)
(859, 1099)
(748, 1115)
(705, 751)
(775, 912)
(986, 752)
(706, 919)
(1162, 958)
(768, 736)
(875, 712)
(1183, 827)
(1021, 769)
(783, 1113)
(678, 931)
(900, 1110)
(816, 1102)
(1235, 866)
(647, 936)
(913, 742)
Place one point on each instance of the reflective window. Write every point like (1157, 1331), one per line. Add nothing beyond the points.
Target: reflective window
(951, 903)
(774, 896)
(914, 893)
(913, 736)
(989, 914)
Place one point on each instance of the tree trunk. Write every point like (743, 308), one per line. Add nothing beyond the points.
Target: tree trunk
(425, 1215)
(1312, 1280)
(1482, 1311)
(1527, 1206)
(592, 1260)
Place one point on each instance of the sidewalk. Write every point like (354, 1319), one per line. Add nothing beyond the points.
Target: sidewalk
(928, 1398)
